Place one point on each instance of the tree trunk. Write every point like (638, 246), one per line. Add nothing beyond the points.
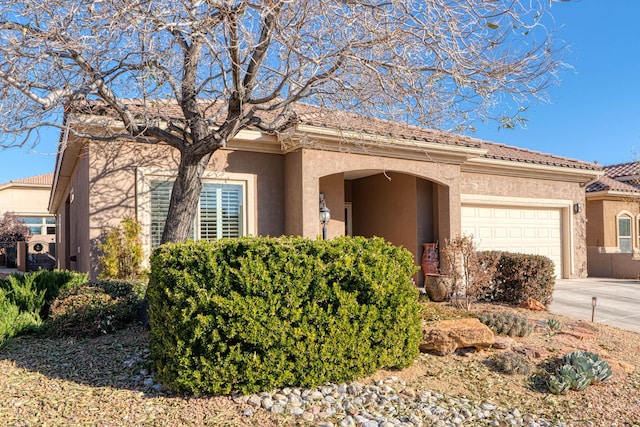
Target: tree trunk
(184, 198)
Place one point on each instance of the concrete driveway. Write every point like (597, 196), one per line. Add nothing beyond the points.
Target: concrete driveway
(618, 301)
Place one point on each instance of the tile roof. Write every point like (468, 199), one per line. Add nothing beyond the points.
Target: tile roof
(622, 169)
(606, 183)
(45, 179)
(515, 154)
(333, 119)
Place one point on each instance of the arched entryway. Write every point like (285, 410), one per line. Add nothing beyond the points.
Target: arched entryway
(402, 208)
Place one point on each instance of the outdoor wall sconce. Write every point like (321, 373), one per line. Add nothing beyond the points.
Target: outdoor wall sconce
(577, 208)
(325, 216)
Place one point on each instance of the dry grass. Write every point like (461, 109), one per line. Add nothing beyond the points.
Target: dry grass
(92, 381)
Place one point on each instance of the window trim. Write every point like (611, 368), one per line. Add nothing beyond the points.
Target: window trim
(144, 176)
(632, 228)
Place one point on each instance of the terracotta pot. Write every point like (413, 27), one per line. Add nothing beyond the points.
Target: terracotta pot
(438, 288)
(430, 261)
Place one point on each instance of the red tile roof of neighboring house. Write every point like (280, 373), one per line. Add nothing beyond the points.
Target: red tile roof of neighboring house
(45, 179)
(606, 183)
(622, 169)
(333, 119)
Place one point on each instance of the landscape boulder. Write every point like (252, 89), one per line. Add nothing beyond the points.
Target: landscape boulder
(532, 304)
(445, 336)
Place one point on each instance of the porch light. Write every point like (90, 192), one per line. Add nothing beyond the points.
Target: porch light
(325, 217)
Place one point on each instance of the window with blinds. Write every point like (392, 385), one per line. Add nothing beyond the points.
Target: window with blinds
(220, 212)
(160, 197)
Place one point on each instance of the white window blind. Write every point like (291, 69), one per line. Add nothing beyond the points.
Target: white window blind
(160, 197)
(220, 213)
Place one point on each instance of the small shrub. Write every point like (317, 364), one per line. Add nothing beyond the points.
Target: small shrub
(25, 294)
(518, 277)
(43, 283)
(506, 323)
(121, 251)
(94, 309)
(469, 273)
(260, 313)
(13, 321)
(511, 363)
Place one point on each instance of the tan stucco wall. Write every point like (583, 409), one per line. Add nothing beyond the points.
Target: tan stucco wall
(407, 201)
(112, 183)
(386, 206)
(333, 188)
(512, 188)
(602, 227)
(28, 200)
(602, 237)
(595, 224)
(79, 245)
(616, 265)
(25, 200)
(311, 165)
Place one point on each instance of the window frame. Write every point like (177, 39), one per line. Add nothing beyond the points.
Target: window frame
(44, 224)
(627, 216)
(144, 177)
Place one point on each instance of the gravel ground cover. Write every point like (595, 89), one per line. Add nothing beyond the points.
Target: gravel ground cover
(107, 381)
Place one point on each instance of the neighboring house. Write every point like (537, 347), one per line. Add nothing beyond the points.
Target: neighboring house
(28, 198)
(613, 228)
(406, 184)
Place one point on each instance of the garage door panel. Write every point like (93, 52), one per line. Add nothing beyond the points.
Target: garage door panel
(513, 229)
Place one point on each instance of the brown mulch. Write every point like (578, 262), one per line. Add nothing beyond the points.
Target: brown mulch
(92, 381)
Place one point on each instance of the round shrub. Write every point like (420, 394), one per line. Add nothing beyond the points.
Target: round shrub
(259, 313)
(506, 323)
(94, 309)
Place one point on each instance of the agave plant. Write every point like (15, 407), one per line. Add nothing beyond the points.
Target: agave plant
(575, 377)
(554, 324)
(558, 385)
(589, 364)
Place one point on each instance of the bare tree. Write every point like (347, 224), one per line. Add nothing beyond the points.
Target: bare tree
(230, 65)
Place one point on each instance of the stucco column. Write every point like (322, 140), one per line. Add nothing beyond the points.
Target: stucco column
(301, 195)
(449, 212)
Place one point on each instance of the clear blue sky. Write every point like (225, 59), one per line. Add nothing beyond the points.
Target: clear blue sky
(593, 115)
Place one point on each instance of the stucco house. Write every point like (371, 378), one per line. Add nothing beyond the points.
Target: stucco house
(28, 198)
(613, 227)
(406, 184)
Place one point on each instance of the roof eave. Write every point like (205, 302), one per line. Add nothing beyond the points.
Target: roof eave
(331, 139)
(531, 170)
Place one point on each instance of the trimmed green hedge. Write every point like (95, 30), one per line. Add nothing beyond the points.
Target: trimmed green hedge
(518, 277)
(259, 313)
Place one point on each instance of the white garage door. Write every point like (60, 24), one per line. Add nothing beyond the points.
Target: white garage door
(521, 230)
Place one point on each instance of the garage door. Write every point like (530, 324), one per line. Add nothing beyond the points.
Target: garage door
(521, 230)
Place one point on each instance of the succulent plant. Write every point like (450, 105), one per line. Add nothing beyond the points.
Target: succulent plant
(579, 369)
(554, 324)
(577, 379)
(557, 385)
(511, 363)
(506, 323)
(590, 364)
